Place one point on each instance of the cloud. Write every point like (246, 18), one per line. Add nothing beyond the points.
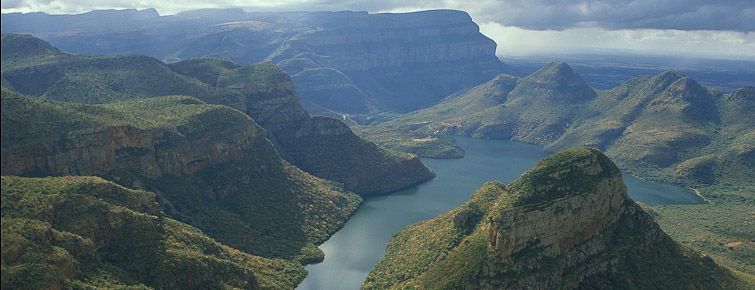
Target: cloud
(735, 15)
(717, 28)
(699, 43)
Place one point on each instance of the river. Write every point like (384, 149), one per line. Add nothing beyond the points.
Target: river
(351, 253)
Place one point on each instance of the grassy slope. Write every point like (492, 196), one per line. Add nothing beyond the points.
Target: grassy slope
(85, 231)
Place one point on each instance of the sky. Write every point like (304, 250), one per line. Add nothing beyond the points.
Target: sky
(700, 28)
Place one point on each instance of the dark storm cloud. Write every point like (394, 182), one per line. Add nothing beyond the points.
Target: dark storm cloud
(609, 14)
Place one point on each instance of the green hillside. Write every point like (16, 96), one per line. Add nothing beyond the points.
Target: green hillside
(210, 165)
(566, 221)
(664, 127)
(81, 232)
(262, 91)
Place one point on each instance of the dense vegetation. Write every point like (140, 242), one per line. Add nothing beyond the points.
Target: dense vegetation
(81, 232)
(262, 91)
(665, 128)
(322, 146)
(463, 249)
(210, 166)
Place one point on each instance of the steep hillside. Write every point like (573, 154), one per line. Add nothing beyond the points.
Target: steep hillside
(211, 167)
(378, 62)
(323, 147)
(82, 232)
(664, 127)
(566, 223)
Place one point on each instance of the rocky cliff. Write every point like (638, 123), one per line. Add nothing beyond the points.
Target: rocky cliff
(210, 166)
(385, 61)
(262, 91)
(566, 223)
(322, 146)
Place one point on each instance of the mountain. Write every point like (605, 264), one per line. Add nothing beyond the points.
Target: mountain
(324, 147)
(565, 223)
(346, 61)
(86, 232)
(664, 127)
(210, 166)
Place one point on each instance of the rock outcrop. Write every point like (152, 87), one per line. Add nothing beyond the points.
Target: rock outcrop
(322, 146)
(566, 223)
(211, 167)
(348, 61)
(262, 91)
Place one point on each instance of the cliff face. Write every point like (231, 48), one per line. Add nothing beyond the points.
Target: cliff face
(262, 91)
(321, 146)
(566, 223)
(401, 62)
(328, 148)
(211, 166)
(388, 61)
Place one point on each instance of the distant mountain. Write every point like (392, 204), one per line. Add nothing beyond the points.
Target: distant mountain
(665, 126)
(345, 61)
(566, 223)
(85, 232)
(324, 147)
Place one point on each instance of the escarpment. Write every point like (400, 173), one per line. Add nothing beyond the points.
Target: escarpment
(346, 61)
(210, 166)
(322, 146)
(566, 223)
(262, 91)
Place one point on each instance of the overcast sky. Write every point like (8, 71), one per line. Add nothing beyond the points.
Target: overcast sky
(715, 28)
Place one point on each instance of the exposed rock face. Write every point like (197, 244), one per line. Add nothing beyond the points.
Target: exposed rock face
(322, 146)
(328, 148)
(210, 165)
(566, 223)
(388, 61)
(262, 91)
(127, 148)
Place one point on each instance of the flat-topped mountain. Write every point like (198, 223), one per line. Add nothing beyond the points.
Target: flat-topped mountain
(324, 147)
(346, 61)
(566, 223)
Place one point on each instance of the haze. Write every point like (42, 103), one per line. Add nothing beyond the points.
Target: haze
(699, 28)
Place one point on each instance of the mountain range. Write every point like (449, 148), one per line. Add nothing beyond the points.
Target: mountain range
(352, 62)
(664, 127)
(324, 147)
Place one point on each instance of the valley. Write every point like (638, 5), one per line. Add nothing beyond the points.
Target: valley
(239, 148)
(353, 251)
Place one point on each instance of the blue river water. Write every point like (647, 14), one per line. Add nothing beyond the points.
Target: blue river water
(352, 252)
